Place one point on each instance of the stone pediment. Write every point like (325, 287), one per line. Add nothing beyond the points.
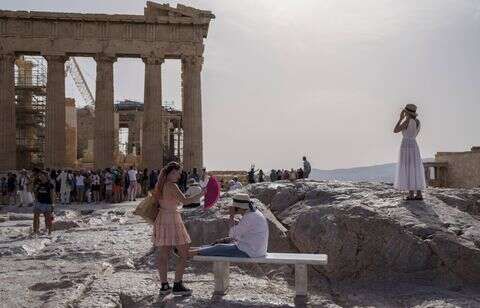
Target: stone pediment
(153, 13)
(155, 10)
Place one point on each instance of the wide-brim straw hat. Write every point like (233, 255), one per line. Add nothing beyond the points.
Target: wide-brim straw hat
(241, 201)
(411, 109)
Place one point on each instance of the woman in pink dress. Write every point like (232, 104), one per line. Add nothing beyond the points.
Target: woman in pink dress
(169, 230)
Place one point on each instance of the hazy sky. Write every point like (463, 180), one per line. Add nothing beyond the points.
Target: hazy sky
(325, 78)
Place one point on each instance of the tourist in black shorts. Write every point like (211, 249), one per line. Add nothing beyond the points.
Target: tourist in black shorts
(44, 205)
(12, 188)
(3, 191)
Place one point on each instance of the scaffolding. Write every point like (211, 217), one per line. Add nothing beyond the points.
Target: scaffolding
(30, 96)
(72, 68)
(177, 145)
(172, 129)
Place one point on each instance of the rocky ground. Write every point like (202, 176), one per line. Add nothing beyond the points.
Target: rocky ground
(383, 252)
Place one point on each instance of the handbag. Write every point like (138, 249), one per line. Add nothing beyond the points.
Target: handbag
(29, 198)
(147, 209)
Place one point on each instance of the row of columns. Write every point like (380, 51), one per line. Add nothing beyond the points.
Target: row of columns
(104, 142)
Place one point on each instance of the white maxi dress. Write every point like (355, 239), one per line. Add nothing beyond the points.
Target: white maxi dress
(410, 173)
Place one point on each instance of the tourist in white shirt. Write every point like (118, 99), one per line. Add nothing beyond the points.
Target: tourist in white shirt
(204, 178)
(65, 179)
(194, 189)
(96, 187)
(26, 197)
(108, 185)
(236, 184)
(230, 184)
(80, 187)
(247, 239)
(132, 187)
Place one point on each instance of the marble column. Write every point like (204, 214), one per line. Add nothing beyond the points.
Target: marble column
(104, 139)
(152, 139)
(55, 122)
(8, 144)
(192, 113)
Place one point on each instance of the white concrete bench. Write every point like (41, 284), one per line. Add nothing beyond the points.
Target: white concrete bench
(221, 268)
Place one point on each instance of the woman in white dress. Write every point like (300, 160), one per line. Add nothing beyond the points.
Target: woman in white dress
(410, 172)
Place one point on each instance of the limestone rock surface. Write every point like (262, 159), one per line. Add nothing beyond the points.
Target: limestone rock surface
(383, 252)
(370, 233)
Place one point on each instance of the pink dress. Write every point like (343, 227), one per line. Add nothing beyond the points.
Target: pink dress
(168, 229)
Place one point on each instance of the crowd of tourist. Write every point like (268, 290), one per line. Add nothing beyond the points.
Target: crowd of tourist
(112, 185)
(117, 184)
(259, 176)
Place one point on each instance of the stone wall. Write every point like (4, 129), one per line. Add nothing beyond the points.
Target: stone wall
(463, 168)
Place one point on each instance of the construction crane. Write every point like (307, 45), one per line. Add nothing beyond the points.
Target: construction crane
(73, 68)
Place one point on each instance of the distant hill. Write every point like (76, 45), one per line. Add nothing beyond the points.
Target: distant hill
(376, 173)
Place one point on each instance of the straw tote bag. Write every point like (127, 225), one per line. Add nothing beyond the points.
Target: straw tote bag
(147, 209)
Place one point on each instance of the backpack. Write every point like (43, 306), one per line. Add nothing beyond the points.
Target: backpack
(70, 180)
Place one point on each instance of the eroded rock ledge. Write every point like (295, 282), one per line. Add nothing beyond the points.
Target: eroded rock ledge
(382, 251)
(370, 233)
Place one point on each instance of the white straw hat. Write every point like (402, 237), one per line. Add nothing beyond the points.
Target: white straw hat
(241, 201)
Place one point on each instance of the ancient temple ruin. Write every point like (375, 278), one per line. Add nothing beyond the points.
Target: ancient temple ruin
(128, 116)
(163, 32)
(454, 169)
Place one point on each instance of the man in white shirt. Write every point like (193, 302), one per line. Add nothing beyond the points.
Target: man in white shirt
(96, 187)
(26, 197)
(194, 189)
(80, 187)
(247, 239)
(65, 179)
(230, 184)
(204, 177)
(108, 185)
(236, 184)
(132, 187)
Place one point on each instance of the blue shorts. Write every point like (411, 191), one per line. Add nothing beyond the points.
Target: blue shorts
(222, 250)
(42, 208)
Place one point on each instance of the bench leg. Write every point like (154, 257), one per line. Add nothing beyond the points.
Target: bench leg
(301, 280)
(221, 274)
